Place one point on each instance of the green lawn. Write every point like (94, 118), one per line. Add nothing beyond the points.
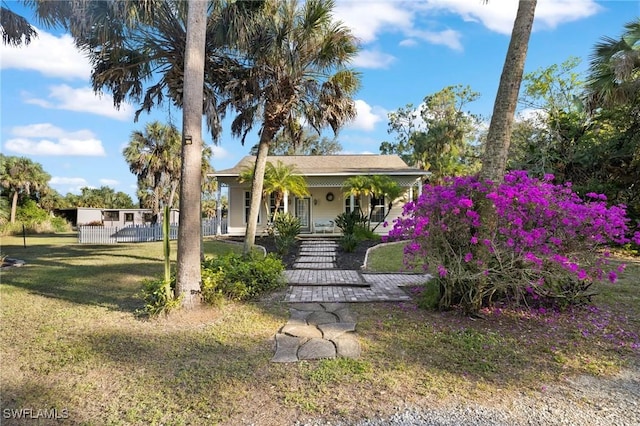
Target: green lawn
(71, 341)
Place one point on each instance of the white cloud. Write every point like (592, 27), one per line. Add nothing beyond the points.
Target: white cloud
(49, 55)
(81, 99)
(74, 181)
(366, 19)
(367, 117)
(47, 139)
(373, 59)
(408, 42)
(498, 15)
(449, 38)
(109, 182)
(219, 152)
(69, 184)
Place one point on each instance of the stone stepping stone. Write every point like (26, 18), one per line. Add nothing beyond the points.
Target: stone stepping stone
(286, 348)
(304, 331)
(317, 318)
(345, 315)
(335, 330)
(317, 349)
(347, 346)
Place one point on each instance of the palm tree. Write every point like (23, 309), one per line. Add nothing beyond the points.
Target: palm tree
(20, 175)
(154, 157)
(494, 160)
(374, 186)
(358, 186)
(15, 29)
(297, 56)
(190, 229)
(279, 179)
(614, 71)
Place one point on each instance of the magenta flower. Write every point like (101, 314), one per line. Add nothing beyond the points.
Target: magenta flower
(442, 271)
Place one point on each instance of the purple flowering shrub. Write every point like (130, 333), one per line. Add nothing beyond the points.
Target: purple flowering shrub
(541, 247)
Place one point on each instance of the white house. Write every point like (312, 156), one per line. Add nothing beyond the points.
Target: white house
(325, 176)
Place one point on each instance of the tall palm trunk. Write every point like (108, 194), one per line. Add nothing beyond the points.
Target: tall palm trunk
(268, 132)
(188, 275)
(14, 206)
(494, 160)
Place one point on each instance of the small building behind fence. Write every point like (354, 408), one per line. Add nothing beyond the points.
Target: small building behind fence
(141, 233)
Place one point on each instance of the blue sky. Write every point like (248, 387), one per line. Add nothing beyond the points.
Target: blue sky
(409, 49)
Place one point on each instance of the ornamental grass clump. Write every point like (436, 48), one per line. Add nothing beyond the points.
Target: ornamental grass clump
(541, 244)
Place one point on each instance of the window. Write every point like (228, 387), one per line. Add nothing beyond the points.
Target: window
(272, 205)
(347, 204)
(378, 207)
(111, 215)
(247, 207)
(128, 217)
(147, 217)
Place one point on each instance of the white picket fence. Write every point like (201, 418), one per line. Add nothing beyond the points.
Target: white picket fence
(139, 233)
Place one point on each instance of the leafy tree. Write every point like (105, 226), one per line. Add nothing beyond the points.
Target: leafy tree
(438, 136)
(310, 143)
(549, 141)
(278, 180)
(297, 56)
(494, 159)
(21, 177)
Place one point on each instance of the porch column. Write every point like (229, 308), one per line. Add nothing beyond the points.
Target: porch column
(219, 210)
(352, 203)
(419, 187)
(410, 193)
(286, 202)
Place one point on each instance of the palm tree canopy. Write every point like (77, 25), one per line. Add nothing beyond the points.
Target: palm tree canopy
(614, 70)
(278, 179)
(297, 58)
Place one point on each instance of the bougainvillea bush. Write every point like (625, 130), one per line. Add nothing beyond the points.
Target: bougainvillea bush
(539, 243)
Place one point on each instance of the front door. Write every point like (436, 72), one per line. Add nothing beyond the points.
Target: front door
(303, 213)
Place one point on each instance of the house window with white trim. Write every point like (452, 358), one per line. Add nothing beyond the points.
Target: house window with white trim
(272, 205)
(247, 207)
(378, 207)
(347, 204)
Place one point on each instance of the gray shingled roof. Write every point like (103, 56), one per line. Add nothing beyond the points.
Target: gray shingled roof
(315, 165)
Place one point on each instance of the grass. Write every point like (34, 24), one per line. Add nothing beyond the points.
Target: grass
(386, 258)
(71, 341)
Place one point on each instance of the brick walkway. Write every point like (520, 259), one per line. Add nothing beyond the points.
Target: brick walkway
(321, 325)
(316, 279)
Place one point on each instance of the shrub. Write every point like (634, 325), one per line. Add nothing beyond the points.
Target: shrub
(29, 212)
(348, 242)
(362, 233)
(156, 299)
(541, 246)
(348, 221)
(239, 277)
(287, 228)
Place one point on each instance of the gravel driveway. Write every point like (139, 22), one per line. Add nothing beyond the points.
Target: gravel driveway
(583, 400)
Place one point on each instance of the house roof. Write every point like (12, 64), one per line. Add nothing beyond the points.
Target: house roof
(331, 165)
